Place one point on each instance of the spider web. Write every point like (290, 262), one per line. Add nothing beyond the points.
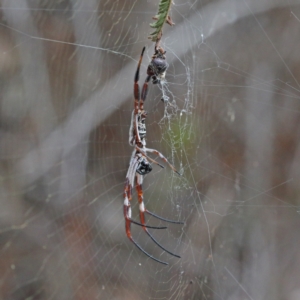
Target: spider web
(230, 125)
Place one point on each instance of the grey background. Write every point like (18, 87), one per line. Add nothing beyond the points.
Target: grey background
(231, 127)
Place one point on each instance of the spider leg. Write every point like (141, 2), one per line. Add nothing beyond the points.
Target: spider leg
(127, 212)
(145, 150)
(139, 189)
(127, 207)
(128, 195)
(146, 253)
(128, 221)
(149, 158)
(137, 104)
(163, 219)
(155, 162)
(136, 88)
(144, 91)
(138, 138)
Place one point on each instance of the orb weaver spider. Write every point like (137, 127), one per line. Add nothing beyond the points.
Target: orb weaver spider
(140, 165)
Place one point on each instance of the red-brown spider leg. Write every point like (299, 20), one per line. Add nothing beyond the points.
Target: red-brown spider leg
(149, 158)
(128, 221)
(144, 92)
(148, 211)
(139, 189)
(128, 195)
(127, 208)
(144, 150)
(136, 88)
(137, 138)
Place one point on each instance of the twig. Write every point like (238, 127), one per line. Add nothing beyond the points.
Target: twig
(161, 17)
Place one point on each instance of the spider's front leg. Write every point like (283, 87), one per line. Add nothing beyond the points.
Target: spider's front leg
(135, 164)
(144, 151)
(128, 221)
(131, 173)
(139, 189)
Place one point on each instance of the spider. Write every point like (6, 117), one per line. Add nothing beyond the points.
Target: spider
(158, 65)
(140, 165)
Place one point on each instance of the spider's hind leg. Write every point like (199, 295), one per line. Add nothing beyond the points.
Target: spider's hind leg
(136, 88)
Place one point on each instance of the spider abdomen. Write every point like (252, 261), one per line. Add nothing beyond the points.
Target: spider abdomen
(142, 131)
(141, 125)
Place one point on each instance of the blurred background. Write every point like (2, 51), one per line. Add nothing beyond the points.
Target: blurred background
(231, 126)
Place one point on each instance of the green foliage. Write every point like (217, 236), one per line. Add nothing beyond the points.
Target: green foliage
(161, 17)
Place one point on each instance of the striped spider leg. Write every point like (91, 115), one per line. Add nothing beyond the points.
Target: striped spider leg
(140, 165)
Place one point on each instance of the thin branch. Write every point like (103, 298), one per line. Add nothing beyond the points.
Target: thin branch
(161, 17)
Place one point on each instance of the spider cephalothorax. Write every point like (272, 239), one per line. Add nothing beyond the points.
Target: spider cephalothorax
(140, 165)
(158, 66)
(143, 167)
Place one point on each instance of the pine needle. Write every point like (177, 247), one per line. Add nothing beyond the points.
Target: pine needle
(161, 17)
